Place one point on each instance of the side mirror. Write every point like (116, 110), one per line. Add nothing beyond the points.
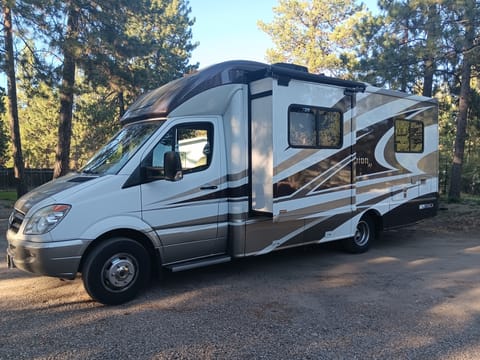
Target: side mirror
(173, 166)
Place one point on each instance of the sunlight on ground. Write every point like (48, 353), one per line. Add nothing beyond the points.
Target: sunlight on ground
(421, 262)
(472, 250)
(462, 307)
(383, 260)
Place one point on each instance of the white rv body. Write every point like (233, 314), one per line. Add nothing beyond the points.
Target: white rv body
(269, 157)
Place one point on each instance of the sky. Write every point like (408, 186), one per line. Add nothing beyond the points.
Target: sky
(227, 29)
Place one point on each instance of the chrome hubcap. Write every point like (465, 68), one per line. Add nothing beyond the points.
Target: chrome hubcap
(362, 234)
(119, 272)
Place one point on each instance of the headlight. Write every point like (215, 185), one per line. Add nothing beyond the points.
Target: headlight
(46, 219)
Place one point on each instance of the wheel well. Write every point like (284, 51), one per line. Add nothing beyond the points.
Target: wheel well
(131, 234)
(377, 220)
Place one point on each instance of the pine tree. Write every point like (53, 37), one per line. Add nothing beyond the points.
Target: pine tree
(12, 99)
(403, 47)
(468, 15)
(316, 34)
(109, 44)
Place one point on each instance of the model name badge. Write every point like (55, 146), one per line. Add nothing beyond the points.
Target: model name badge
(364, 161)
(426, 206)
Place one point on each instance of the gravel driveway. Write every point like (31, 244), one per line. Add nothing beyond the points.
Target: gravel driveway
(414, 295)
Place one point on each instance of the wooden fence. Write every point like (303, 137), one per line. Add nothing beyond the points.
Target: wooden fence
(33, 178)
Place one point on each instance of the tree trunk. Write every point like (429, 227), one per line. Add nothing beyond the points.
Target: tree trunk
(62, 158)
(404, 59)
(428, 78)
(429, 59)
(459, 148)
(121, 103)
(12, 102)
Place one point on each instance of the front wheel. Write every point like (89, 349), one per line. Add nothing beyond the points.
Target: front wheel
(364, 235)
(116, 271)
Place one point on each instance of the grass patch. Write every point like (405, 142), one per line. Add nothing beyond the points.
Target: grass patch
(471, 199)
(8, 195)
(466, 199)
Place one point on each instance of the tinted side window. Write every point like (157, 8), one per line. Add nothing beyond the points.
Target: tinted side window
(409, 136)
(314, 127)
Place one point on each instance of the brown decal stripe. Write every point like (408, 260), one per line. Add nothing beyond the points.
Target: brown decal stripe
(381, 175)
(429, 163)
(389, 155)
(372, 101)
(293, 183)
(228, 193)
(195, 222)
(295, 159)
(383, 186)
(238, 176)
(367, 164)
(408, 212)
(317, 231)
(270, 236)
(339, 176)
(318, 208)
(329, 190)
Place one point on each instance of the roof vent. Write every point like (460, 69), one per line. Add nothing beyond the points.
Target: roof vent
(292, 67)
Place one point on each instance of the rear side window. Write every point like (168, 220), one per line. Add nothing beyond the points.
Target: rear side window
(409, 136)
(315, 127)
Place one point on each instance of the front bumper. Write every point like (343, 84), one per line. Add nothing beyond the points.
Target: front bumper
(59, 258)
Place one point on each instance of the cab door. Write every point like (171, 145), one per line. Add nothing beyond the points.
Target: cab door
(184, 213)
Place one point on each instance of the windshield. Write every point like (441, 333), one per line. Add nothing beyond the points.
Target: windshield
(111, 158)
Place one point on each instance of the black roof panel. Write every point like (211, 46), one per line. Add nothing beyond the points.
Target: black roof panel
(160, 102)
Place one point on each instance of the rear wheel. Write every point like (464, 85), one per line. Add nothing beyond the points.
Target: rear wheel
(116, 271)
(364, 235)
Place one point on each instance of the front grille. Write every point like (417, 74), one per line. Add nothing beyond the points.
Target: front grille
(15, 221)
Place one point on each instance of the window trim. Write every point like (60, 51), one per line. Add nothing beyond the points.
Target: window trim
(317, 109)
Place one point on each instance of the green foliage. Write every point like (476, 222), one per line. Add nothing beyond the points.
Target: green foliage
(317, 34)
(95, 121)
(122, 48)
(448, 110)
(8, 196)
(402, 45)
(38, 115)
(162, 30)
(127, 46)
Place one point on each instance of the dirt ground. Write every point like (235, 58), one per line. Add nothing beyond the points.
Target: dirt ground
(464, 217)
(414, 295)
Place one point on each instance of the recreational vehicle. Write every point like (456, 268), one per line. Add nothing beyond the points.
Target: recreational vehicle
(238, 159)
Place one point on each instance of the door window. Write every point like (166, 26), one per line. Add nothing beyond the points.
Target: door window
(194, 143)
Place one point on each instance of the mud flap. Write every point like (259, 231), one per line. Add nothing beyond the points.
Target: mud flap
(10, 262)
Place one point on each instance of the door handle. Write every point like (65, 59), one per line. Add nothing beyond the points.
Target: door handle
(209, 187)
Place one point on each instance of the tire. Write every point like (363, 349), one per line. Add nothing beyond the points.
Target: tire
(116, 271)
(364, 236)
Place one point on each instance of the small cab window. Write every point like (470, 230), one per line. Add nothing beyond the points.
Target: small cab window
(194, 143)
(314, 127)
(408, 136)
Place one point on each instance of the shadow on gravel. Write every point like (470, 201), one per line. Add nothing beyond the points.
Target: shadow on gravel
(413, 295)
